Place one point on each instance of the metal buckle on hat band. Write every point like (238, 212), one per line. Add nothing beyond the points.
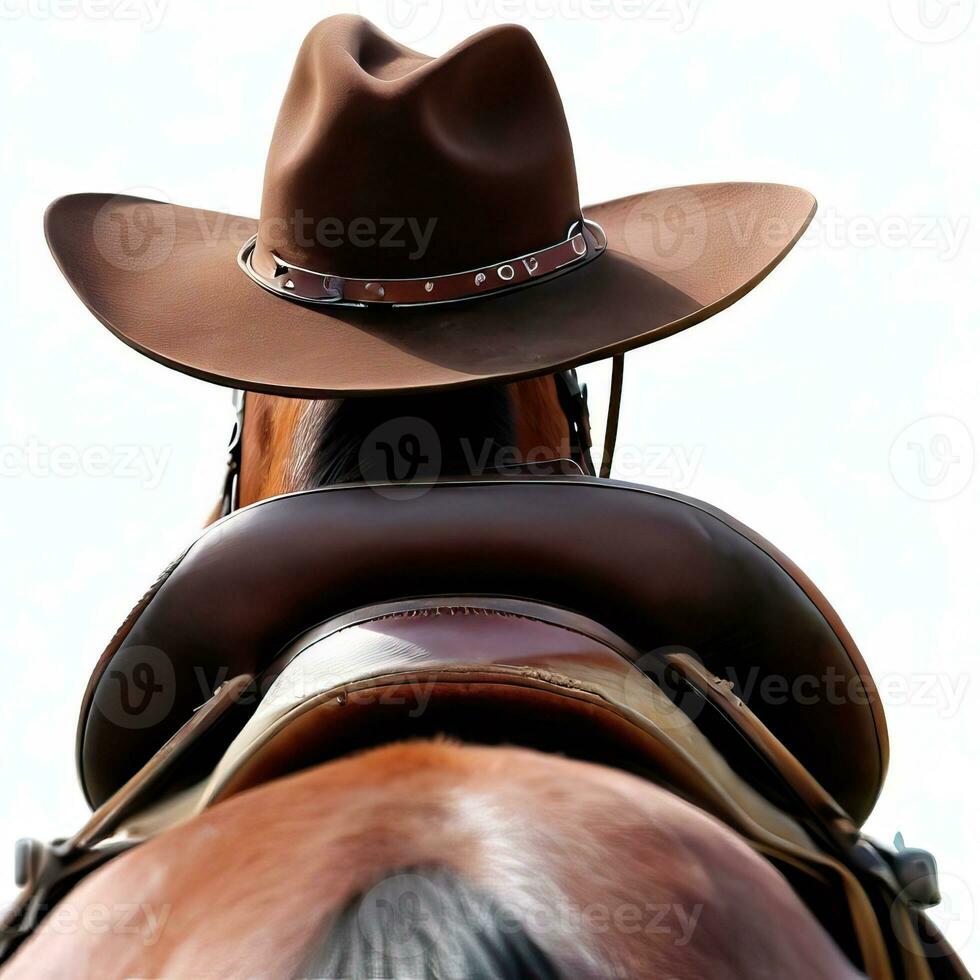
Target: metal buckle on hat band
(585, 241)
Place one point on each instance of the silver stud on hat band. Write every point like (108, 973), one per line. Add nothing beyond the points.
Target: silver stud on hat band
(584, 242)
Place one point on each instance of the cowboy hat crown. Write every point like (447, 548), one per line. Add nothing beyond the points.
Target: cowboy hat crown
(472, 147)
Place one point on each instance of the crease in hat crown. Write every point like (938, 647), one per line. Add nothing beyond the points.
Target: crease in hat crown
(386, 163)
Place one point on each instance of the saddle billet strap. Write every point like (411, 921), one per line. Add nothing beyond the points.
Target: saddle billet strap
(229, 491)
(837, 826)
(123, 803)
(47, 872)
(900, 899)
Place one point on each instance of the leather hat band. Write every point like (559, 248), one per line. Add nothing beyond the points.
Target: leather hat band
(585, 241)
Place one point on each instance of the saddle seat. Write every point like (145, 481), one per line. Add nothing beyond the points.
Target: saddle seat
(483, 670)
(662, 573)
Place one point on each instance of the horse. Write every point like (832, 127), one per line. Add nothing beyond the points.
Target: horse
(480, 812)
(436, 859)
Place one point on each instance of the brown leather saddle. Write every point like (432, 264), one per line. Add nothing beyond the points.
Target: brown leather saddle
(614, 622)
(660, 570)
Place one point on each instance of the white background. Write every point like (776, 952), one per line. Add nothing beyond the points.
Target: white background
(791, 410)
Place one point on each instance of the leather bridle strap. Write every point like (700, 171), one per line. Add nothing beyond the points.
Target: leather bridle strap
(612, 415)
(573, 397)
(229, 493)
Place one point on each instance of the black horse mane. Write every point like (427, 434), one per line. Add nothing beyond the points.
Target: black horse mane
(405, 436)
(426, 924)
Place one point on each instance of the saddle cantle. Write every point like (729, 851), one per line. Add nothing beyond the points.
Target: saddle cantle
(664, 572)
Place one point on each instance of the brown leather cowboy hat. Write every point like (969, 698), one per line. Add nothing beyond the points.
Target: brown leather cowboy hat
(420, 229)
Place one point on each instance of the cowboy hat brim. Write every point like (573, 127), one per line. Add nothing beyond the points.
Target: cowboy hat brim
(165, 280)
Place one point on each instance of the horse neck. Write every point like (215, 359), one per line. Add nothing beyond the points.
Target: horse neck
(540, 423)
(279, 433)
(272, 445)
